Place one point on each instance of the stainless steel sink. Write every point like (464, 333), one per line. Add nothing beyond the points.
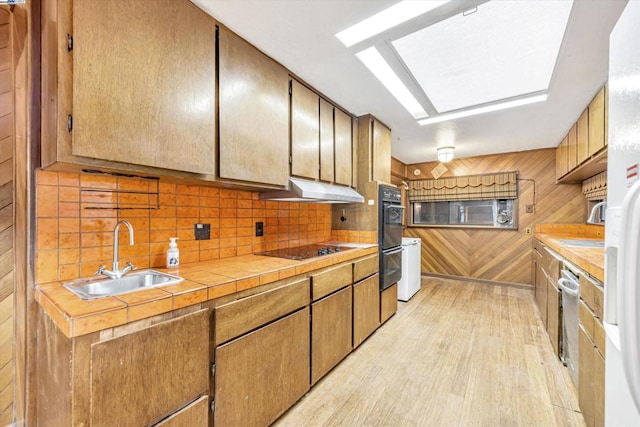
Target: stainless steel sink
(105, 287)
(583, 243)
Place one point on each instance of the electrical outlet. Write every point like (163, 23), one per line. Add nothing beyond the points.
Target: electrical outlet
(527, 230)
(259, 229)
(529, 209)
(202, 231)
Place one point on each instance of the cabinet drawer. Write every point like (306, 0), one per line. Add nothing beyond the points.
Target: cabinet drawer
(550, 264)
(593, 295)
(365, 267)
(586, 319)
(241, 316)
(330, 280)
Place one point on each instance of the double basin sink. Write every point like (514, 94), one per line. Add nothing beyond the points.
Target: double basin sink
(136, 281)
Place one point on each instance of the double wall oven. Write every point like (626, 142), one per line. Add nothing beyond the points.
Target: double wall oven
(390, 216)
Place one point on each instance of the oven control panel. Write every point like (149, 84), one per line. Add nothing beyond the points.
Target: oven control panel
(390, 194)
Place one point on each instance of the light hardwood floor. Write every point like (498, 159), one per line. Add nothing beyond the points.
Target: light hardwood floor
(457, 354)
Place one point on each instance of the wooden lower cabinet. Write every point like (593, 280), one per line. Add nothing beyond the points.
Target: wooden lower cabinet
(541, 291)
(366, 308)
(591, 365)
(388, 302)
(553, 315)
(585, 377)
(261, 374)
(195, 414)
(138, 378)
(331, 331)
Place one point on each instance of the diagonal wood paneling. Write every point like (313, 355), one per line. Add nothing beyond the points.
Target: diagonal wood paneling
(500, 255)
(7, 283)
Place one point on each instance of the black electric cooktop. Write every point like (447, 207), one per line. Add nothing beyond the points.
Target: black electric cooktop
(304, 252)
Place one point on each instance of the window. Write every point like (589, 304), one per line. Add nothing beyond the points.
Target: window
(494, 213)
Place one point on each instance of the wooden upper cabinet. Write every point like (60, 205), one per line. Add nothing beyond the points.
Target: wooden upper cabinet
(343, 147)
(144, 84)
(305, 132)
(381, 152)
(597, 123)
(572, 148)
(326, 142)
(561, 159)
(253, 112)
(583, 136)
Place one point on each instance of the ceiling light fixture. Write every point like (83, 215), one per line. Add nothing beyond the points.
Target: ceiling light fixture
(383, 72)
(445, 154)
(388, 18)
(482, 110)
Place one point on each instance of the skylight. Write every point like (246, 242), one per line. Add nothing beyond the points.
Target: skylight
(388, 18)
(383, 72)
(502, 50)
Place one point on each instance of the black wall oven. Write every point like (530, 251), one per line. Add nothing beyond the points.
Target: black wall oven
(390, 214)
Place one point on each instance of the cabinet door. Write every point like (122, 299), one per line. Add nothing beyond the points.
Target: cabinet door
(572, 148)
(195, 414)
(261, 374)
(598, 389)
(331, 336)
(541, 292)
(326, 141)
(366, 308)
(343, 147)
(381, 152)
(561, 159)
(553, 315)
(388, 302)
(139, 378)
(254, 119)
(305, 132)
(585, 377)
(144, 83)
(596, 123)
(582, 136)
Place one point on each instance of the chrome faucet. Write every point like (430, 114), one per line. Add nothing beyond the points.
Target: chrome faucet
(115, 273)
(594, 218)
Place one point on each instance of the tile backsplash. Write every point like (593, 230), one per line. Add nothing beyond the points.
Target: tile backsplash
(77, 212)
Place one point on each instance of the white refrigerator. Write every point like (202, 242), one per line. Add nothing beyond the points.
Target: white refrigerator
(622, 231)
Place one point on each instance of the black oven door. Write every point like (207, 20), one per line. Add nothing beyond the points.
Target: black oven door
(390, 267)
(392, 225)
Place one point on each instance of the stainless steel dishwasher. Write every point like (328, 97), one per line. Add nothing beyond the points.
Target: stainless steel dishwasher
(569, 285)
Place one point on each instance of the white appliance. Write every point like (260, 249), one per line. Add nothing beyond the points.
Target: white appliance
(409, 284)
(622, 257)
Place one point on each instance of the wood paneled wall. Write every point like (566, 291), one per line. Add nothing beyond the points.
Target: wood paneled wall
(7, 283)
(499, 255)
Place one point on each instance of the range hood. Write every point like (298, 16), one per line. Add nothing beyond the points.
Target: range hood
(302, 190)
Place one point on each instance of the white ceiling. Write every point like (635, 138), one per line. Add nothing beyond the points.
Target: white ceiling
(300, 35)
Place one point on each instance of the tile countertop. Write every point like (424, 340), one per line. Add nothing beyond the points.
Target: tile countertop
(203, 281)
(590, 260)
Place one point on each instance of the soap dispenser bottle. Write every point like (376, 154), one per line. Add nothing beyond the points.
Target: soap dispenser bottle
(173, 253)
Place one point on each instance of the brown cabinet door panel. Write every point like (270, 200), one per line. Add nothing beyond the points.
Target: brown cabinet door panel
(261, 374)
(366, 308)
(586, 353)
(144, 83)
(331, 324)
(343, 147)
(596, 123)
(195, 414)
(254, 118)
(381, 152)
(583, 136)
(326, 141)
(139, 378)
(388, 302)
(572, 148)
(553, 316)
(305, 132)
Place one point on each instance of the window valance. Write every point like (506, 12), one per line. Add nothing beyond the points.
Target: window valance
(471, 187)
(595, 188)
